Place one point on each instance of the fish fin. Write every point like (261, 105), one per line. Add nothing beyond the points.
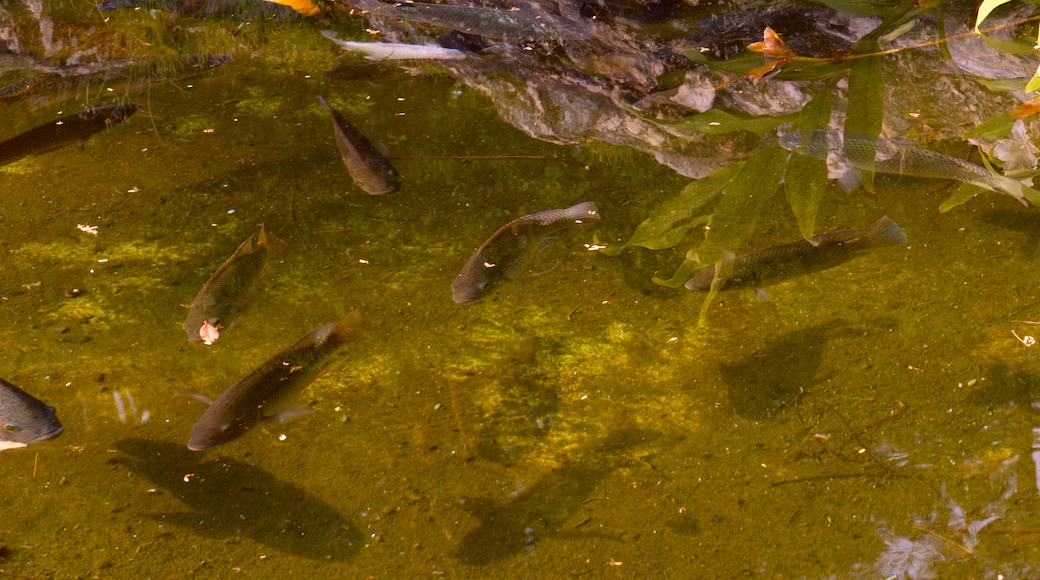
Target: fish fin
(273, 243)
(850, 179)
(289, 414)
(244, 249)
(545, 271)
(882, 234)
(321, 99)
(5, 445)
(198, 397)
(1023, 193)
(348, 329)
(761, 295)
(1030, 196)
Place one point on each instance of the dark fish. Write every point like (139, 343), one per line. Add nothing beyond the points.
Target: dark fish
(267, 393)
(231, 289)
(25, 86)
(25, 418)
(61, 132)
(786, 261)
(370, 170)
(503, 255)
(897, 158)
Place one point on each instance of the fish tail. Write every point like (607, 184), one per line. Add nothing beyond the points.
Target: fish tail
(350, 328)
(1023, 193)
(273, 243)
(882, 234)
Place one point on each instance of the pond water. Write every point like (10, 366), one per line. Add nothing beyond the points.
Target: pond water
(877, 419)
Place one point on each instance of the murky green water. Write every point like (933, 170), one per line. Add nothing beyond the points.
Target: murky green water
(576, 423)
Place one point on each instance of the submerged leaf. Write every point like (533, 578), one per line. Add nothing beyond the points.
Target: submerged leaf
(963, 193)
(993, 128)
(805, 178)
(743, 204)
(866, 100)
(670, 220)
(690, 266)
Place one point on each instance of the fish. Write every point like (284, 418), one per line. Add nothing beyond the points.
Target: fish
(231, 289)
(899, 158)
(370, 170)
(267, 393)
(78, 126)
(503, 256)
(396, 50)
(773, 265)
(25, 419)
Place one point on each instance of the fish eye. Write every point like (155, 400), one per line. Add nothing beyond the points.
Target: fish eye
(214, 321)
(226, 427)
(12, 427)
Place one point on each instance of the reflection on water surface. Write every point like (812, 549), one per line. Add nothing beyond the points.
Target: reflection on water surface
(873, 419)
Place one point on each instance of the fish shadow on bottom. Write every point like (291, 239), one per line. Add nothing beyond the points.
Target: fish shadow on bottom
(231, 499)
(769, 379)
(545, 509)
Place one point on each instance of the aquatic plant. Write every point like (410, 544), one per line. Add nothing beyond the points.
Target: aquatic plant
(856, 98)
(904, 558)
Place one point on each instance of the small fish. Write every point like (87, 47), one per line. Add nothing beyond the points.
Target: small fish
(370, 170)
(231, 289)
(69, 129)
(503, 255)
(24, 418)
(267, 393)
(894, 157)
(772, 265)
(395, 50)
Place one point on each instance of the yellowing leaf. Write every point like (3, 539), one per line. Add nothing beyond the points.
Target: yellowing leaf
(985, 8)
(1026, 109)
(1034, 83)
(305, 7)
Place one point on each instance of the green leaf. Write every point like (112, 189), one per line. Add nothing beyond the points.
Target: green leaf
(690, 266)
(1008, 46)
(963, 193)
(805, 178)
(996, 127)
(737, 213)
(745, 200)
(866, 99)
(1002, 85)
(670, 220)
(985, 8)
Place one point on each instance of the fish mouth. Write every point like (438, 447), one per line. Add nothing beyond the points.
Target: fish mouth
(51, 435)
(195, 446)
